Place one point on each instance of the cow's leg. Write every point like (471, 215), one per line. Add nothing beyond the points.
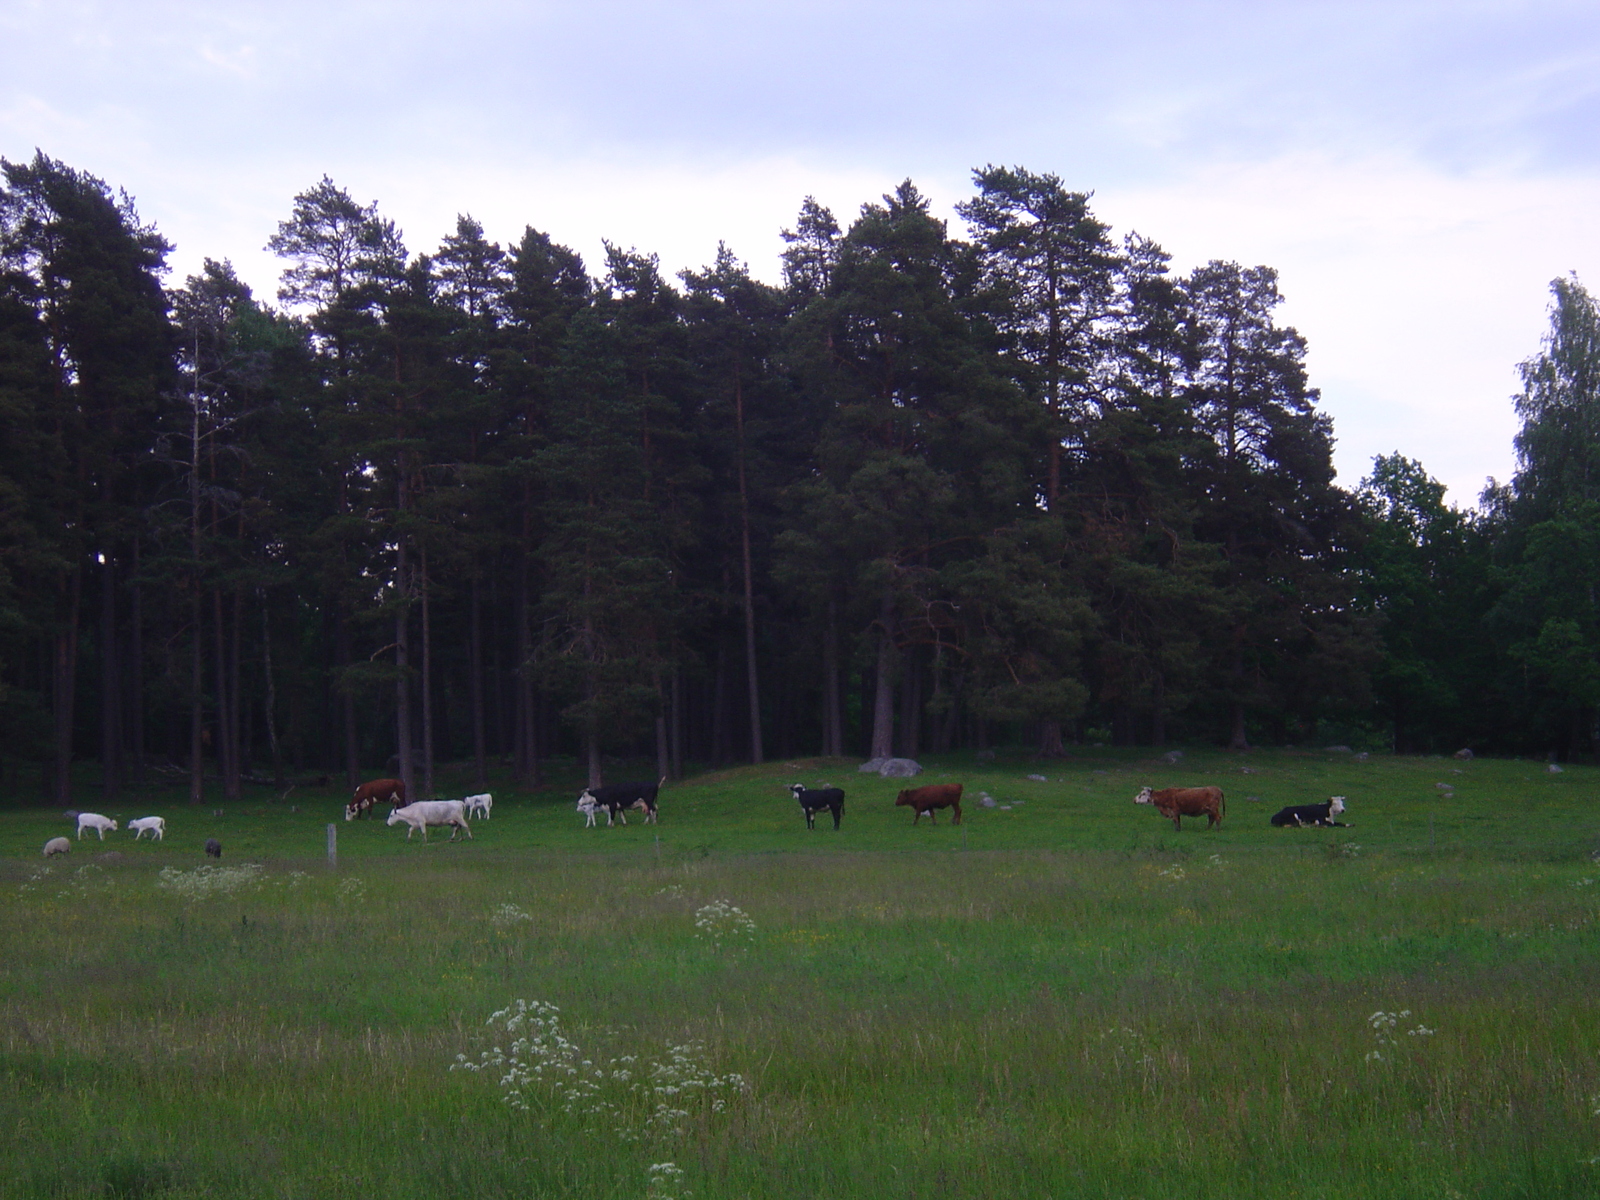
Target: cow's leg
(957, 819)
(836, 818)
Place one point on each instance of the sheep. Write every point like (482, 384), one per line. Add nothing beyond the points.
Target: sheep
(57, 845)
(155, 826)
(96, 822)
(213, 848)
(479, 805)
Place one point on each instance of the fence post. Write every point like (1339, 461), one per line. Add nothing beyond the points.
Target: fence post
(333, 845)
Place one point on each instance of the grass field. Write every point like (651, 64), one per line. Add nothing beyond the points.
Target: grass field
(1060, 998)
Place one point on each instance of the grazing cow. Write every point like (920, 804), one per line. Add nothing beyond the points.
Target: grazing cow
(1310, 814)
(479, 805)
(373, 793)
(95, 822)
(1177, 803)
(815, 800)
(618, 797)
(420, 814)
(155, 826)
(213, 848)
(933, 796)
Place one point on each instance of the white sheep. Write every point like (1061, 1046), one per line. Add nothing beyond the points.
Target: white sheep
(96, 822)
(479, 805)
(57, 845)
(422, 813)
(155, 826)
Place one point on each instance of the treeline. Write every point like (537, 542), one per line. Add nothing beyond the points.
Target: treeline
(485, 504)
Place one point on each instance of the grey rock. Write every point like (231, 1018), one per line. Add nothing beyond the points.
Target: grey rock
(1363, 756)
(985, 755)
(987, 801)
(1555, 768)
(1005, 808)
(1464, 754)
(900, 768)
(1338, 749)
(871, 765)
(1172, 756)
(1038, 778)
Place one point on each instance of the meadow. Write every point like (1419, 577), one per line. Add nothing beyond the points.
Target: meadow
(1062, 997)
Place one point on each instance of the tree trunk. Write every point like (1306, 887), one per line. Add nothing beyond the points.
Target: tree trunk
(227, 752)
(270, 706)
(110, 684)
(911, 706)
(197, 700)
(677, 723)
(64, 690)
(883, 697)
(663, 749)
(235, 709)
(427, 684)
(1050, 739)
(402, 663)
(480, 754)
(832, 716)
(754, 689)
(1158, 716)
(133, 677)
(347, 705)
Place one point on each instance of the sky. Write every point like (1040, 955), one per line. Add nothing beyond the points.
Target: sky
(1417, 172)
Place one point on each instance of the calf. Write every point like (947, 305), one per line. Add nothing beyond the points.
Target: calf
(815, 800)
(479, 805)
(420, 814)
(588, 807)
(933, 796)
(1310, 814)
(618, 797)
(155, 826)
(95, 822)
(373, 793)
(1177, 803)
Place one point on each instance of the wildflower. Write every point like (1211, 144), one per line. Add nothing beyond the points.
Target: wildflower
(508, 915)
(204, 882)
(720, 922)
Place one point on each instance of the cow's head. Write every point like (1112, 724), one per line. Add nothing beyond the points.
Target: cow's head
(903, 798)
(1143, 797)
(796, 788)
(351, 811)
(1335, 805)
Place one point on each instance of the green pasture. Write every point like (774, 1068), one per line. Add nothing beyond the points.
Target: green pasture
(1062, 997)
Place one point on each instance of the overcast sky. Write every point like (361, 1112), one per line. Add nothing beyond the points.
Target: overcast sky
(1416, 171)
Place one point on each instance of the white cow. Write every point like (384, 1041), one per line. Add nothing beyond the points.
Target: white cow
(588, 806)
(479, 805)
(422, 813)
(96, 822)
(155, 826)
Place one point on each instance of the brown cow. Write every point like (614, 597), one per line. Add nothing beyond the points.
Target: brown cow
(935, 795)
(375, 792)
(1178, 803)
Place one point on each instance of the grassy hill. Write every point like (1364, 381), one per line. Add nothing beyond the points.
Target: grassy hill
(1061, 997)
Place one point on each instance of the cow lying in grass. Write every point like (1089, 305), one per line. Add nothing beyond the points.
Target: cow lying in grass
(420, 814)
(1310, 814)
(373, 793)
(815, 800)
(933, 796)
(618, 797)
(1177, 803)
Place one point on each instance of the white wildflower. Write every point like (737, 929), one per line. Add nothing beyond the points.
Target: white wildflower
(720, 922)
(508, 915)
(204, 882)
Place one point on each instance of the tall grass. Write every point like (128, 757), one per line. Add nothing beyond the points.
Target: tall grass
(1066, 999)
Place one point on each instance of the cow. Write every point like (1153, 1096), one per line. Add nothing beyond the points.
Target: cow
(1178, 803)
(1310, 814)
(374, 793)
(420, 814)
(618, 797)
(815, 800)
(933, 796)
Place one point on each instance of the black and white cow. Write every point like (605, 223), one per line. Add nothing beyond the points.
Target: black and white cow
(1310, 814)
(618, 797)
(815, 800)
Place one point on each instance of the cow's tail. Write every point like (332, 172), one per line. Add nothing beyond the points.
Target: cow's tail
(661, 783)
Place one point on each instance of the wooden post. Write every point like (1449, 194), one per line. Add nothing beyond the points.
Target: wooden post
(333, 845)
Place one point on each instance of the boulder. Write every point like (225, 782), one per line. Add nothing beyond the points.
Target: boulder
(986, 801)
(1038, 778)
(1555, 768)
(1463, 754)
(1172, 757)
(871, 765)
(1338, 749)
(1363, 756)
(899, 768)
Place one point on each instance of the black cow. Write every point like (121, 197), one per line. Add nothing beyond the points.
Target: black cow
(213, 848)
(816, 800)
(1310, 814)
(618, 797)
